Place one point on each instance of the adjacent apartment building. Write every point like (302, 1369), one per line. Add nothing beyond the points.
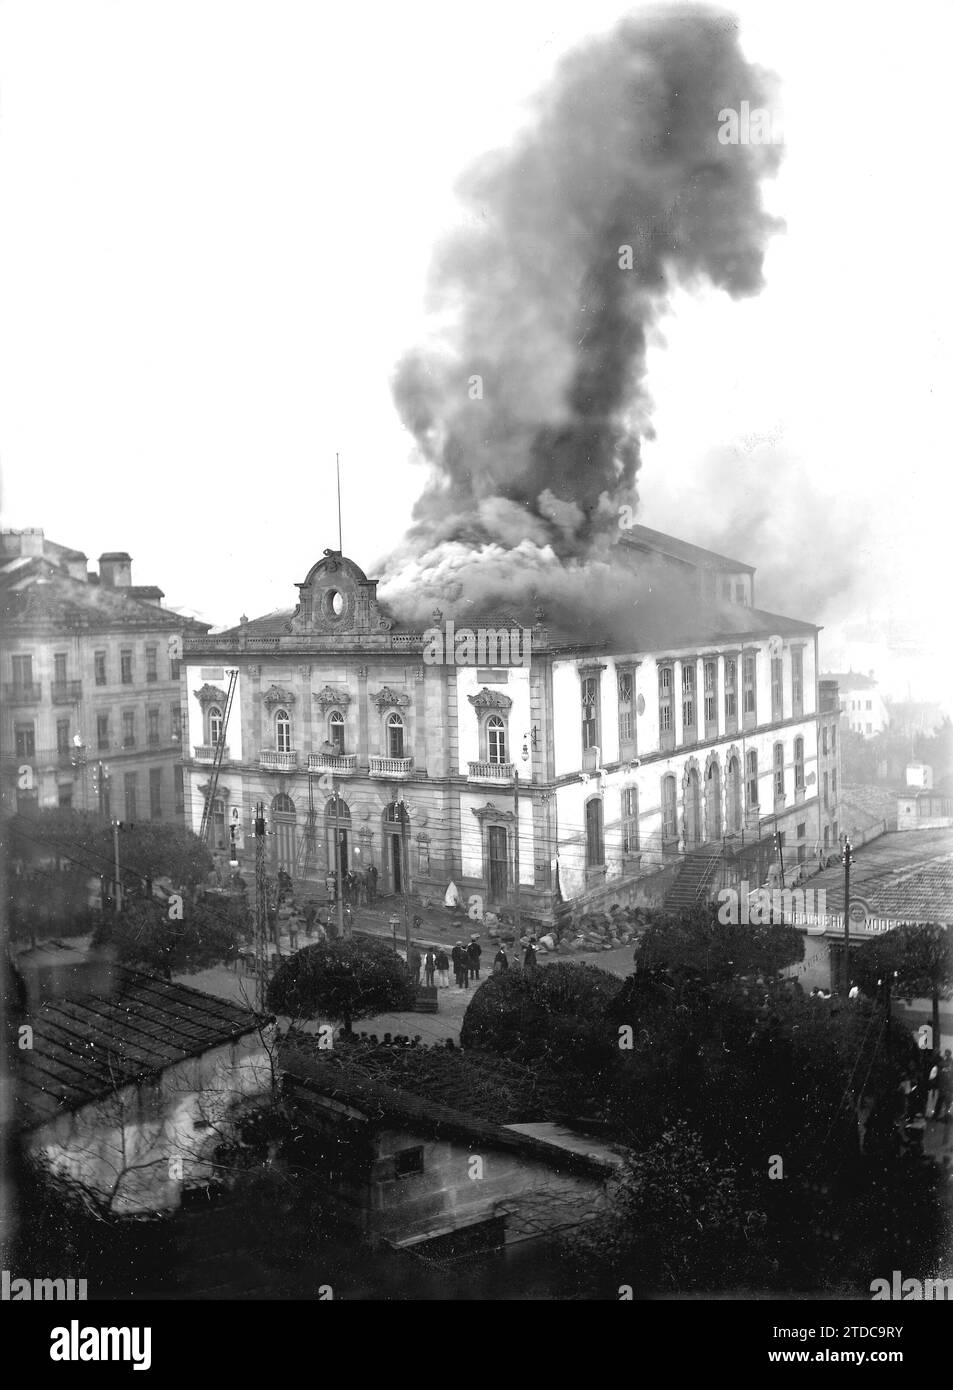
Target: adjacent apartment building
(528, 762)
(91, 714)
(863, 708)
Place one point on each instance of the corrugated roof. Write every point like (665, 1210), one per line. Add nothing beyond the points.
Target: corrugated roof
(87, 1047)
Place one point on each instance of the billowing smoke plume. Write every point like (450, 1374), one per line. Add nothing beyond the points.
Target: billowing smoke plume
(530, 402)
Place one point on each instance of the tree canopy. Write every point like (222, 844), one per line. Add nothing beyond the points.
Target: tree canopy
(342, 981)
(144, 936)
(714, 950)
(916, 961)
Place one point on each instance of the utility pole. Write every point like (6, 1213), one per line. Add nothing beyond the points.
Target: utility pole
(516, 853)
(117, 896)
(848, 858)
(261, 911)
(338, 874)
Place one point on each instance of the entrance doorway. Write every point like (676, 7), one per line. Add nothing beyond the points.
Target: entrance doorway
(713, 802)
(395, 831)
(693, 820)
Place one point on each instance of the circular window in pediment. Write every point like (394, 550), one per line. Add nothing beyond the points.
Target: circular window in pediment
(334, 604)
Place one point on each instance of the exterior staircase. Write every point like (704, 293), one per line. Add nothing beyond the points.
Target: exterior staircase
(694, 883)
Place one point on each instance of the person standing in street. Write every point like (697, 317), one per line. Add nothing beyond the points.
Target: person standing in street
(529, 955)
(473, 959)
(458, 956)
(413, 962)
(500, 961)
(430, 965)
(442, 961)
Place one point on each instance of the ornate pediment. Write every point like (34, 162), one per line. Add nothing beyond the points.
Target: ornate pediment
(278, 696)
(489, 812)
(327, 696)
(338, 598)
(386, 697)
(490, 699)
(210, 695)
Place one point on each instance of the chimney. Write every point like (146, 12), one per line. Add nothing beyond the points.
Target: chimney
(115, 569)
(28, 542)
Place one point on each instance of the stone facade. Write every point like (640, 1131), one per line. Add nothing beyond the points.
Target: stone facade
(91, 711)
(613, 765)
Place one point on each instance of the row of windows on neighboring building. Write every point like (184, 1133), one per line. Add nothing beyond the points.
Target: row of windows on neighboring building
(696, 716)
(22, 668)
(108, 736)
(719, 819)
(131, 805)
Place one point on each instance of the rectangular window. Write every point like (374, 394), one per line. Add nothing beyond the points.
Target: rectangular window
(731, 694)
(176, 711)
(22, 671)
(99, 667)
(750, 689)
(590, 712)
(751, 771)
(869, 729)
(152, 727)
(665, 717)
(65, 796)
(630, 820)
(834, 785)
(833, 738)
(178, 780)
(824, 739)
(779, 772)
(797, 682)
(869, 705)
(125, 666)
(102, 732)
(128, 728)
(152, 671)
(626, 719)
(59, 668)
(129, 787)
(689, 729)
(802, 830)
(711, 697)
(174, 668)
(155, 793)
(62, 735)
(726, 590)
(740, 593)
(824, 791)
(777, 669)
(25, 740)
(407, 1162)
(799, 764)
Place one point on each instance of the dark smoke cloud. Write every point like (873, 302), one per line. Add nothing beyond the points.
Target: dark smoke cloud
(526, 481)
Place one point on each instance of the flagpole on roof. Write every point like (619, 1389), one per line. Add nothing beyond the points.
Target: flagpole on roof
(337, 464)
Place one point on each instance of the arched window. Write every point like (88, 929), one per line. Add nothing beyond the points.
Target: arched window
(395, 736)
(336, 731)
(595, 840)
(214, 724)
(799, 762)
(669, 796)
(779, 772)
(496, 739)
(283, 815)
(218, 823)
(283, 731)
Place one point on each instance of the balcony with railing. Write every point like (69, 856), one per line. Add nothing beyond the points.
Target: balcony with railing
(67, 692)
(22, 693)
(205, 753)
(269, 760)
(340, 764)
(490, 772)
(391, 767)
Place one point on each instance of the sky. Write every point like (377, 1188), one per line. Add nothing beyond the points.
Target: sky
(216, 223)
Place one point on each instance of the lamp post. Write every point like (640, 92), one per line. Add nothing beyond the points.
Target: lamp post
(848, 858)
